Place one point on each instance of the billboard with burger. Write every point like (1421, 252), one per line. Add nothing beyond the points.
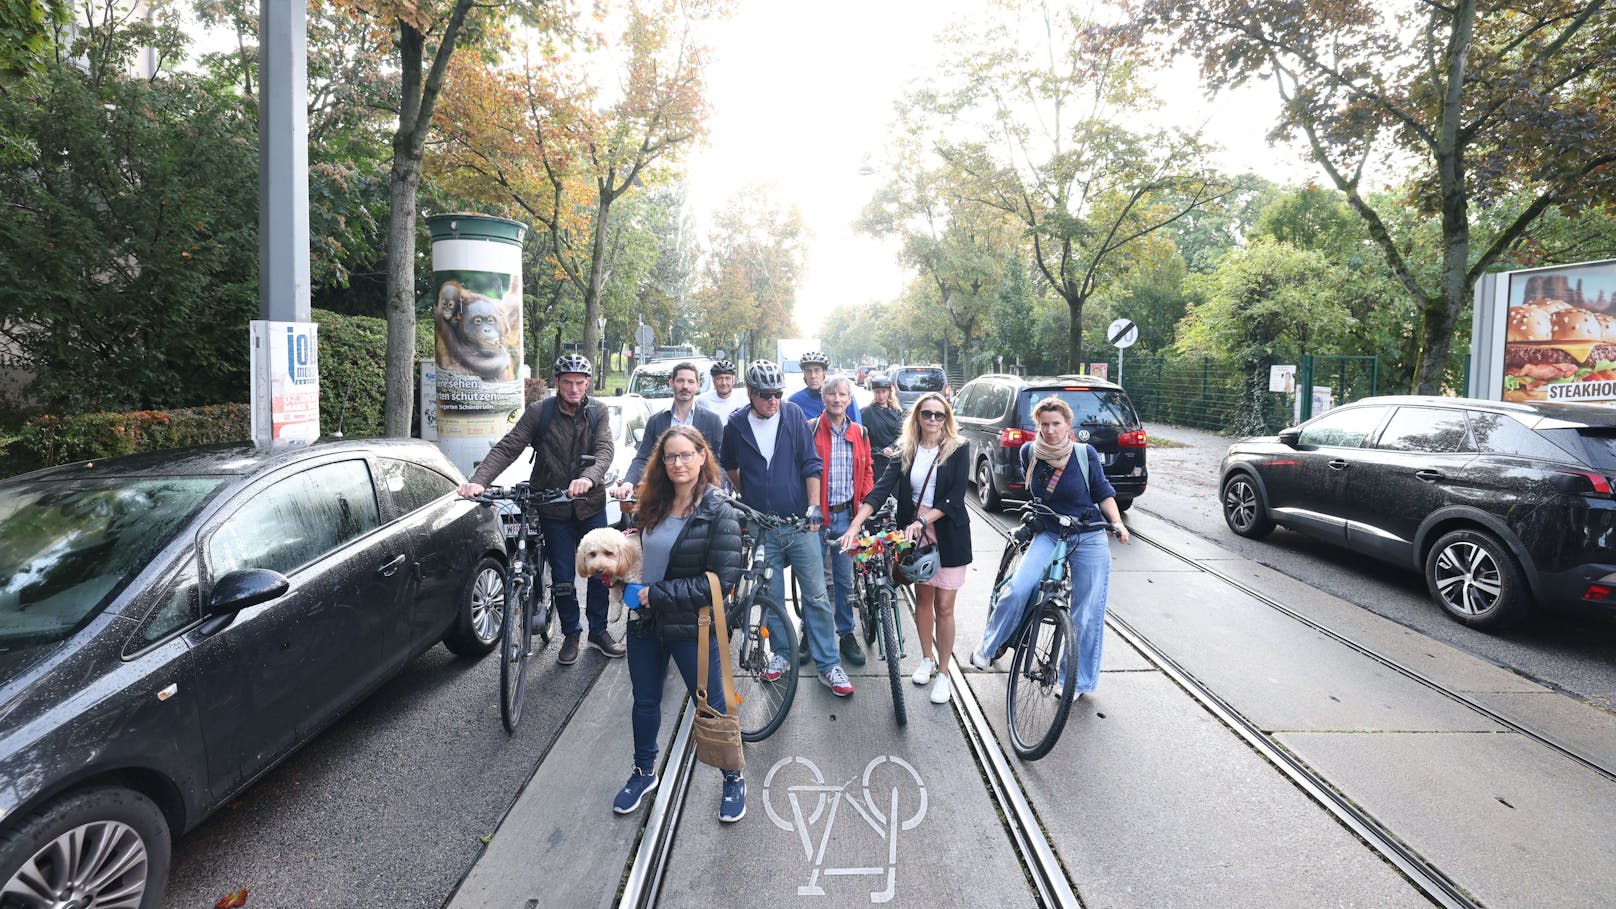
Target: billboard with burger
(1560, 334)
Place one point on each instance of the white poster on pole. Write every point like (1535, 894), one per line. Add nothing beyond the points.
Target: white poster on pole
(285, 382)
(429, 400)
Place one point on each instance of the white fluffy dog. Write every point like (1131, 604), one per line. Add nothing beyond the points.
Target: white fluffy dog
(613, 559)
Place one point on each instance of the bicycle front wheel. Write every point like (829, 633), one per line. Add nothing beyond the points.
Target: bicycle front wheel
(514, 643)
(1043, 675)
(764, 662)
(891, 652)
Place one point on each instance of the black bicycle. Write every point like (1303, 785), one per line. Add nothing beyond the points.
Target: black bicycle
(763, 640)
(525, 603)
(1043, 671)
(877, 596)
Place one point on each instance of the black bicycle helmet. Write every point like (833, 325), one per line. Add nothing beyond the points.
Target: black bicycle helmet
(878, 380)
(919, 565)
(813, 358)
(722, 368)
(571, 362)
(763, 375)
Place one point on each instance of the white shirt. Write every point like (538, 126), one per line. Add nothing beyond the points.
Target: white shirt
(722, 406)
(924, 458)
(765, 432)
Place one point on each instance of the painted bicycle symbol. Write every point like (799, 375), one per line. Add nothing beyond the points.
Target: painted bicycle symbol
(873, 796)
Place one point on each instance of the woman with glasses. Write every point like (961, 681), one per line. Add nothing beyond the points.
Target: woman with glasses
(929, 478)
(686, 529)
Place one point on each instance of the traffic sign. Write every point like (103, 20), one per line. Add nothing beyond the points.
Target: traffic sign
(644, 336)
(1123, 332)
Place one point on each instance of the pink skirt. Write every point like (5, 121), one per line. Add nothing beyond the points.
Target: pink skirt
(948, 578)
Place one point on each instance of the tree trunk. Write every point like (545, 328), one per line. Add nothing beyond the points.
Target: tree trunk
(400, 362)
(597, 277)
(1074, 343)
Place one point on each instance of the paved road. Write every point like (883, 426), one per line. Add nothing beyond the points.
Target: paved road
(1565, 652)
(389, 806)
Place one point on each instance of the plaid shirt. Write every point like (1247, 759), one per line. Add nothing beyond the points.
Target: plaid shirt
(839, 470)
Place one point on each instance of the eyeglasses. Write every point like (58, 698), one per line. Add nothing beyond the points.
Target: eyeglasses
(933, 414)
(680, 457)
(770, 395)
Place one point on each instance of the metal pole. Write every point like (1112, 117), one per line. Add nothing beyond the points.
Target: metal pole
(283, 162)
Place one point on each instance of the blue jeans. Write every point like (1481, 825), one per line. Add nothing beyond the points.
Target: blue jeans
(561, 536)
(1090, 561)
(806, 556)
(647, 665)
(841, 567)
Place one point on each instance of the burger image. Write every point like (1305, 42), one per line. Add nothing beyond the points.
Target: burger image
(1551, 342)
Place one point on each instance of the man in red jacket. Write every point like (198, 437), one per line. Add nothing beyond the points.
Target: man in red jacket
(845, 449)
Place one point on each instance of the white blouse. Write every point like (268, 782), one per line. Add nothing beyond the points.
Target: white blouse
(924, 459)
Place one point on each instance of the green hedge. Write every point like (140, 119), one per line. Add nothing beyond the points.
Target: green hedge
(48, 440)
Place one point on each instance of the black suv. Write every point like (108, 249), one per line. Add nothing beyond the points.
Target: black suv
(995, 415)
(1501, 506)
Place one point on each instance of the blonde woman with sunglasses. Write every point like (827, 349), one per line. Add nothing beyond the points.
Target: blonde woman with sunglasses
(929, 478)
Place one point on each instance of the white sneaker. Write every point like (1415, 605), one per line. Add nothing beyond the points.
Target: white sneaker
(941, 691)
(924, 671)
(979, 660)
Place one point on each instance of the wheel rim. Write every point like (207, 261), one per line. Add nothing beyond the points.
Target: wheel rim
(984, 484)
(1240, 504)
(1036, 688)
(488, 604)
(1467, 578)
(102, 864)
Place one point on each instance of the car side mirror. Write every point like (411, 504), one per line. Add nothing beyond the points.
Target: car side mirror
(1291, 436)
(238, 590)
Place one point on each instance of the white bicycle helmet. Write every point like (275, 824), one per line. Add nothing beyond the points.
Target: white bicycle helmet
(763, 375)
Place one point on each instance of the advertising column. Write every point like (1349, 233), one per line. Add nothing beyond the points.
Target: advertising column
(477, 319)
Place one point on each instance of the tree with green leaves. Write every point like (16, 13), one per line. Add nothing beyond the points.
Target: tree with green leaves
(750, 269)
(1496, 105)
(1038, 117)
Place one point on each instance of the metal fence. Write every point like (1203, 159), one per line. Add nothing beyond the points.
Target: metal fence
(1206, 393)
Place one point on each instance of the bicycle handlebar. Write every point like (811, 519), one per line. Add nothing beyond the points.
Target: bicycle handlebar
(522, 495)
(1035, 509)
(795, 522)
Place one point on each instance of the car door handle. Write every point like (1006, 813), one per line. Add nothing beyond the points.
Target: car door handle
(1338, 464)
(392, 566)
(1429, 475)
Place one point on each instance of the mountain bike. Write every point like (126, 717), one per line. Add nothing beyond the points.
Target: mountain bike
(877, 597)
(1043, 671)
(525, 602)
(763, 640)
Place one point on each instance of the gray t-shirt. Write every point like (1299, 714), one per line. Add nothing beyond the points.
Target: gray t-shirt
(658, 545)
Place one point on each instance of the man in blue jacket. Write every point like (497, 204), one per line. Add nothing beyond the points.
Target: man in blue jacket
(771, 460)
(811, 398)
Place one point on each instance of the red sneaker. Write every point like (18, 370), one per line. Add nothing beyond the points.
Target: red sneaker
(837, 679)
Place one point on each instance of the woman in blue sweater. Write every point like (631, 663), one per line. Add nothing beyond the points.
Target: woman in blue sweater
(1058, 480)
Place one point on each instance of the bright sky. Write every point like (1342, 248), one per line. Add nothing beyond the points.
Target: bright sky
(803, 92)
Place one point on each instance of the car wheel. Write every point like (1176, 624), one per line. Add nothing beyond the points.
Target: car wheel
(1243, 508)
(107, 846)
(1124, 504)
(482, 609)
(986, 493)
(1475, 578)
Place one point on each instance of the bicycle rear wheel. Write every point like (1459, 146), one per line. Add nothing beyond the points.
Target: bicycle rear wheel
(1043, 675)
(541, 610)
(891, 652)
(753, 648)
(516, 639)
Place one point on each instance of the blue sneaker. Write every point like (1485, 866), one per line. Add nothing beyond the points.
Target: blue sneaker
(733, 807)
(633, 792)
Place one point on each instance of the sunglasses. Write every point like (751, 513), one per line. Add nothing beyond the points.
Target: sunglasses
(933, 414)
(770, 395)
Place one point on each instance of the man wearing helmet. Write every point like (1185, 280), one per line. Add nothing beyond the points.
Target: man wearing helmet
(772, 462)
(572, 442)
(813, 365)
(723, 399)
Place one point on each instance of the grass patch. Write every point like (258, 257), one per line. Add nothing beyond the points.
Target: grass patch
(1155, 441)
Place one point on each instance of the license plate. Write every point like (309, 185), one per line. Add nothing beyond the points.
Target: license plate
(1108, 459)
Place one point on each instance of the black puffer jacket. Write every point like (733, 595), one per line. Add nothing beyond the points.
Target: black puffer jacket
(710, 541)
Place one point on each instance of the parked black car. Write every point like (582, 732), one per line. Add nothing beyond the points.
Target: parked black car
(994, 413)
(1502, 506)
(174, 624)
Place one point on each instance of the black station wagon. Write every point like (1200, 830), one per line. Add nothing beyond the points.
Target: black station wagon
(994, 413)
(1502, 506)
(173, 624)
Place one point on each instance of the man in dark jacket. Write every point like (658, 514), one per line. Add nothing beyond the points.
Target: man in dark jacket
(685, 382)
(573, 428)
(771, 459)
